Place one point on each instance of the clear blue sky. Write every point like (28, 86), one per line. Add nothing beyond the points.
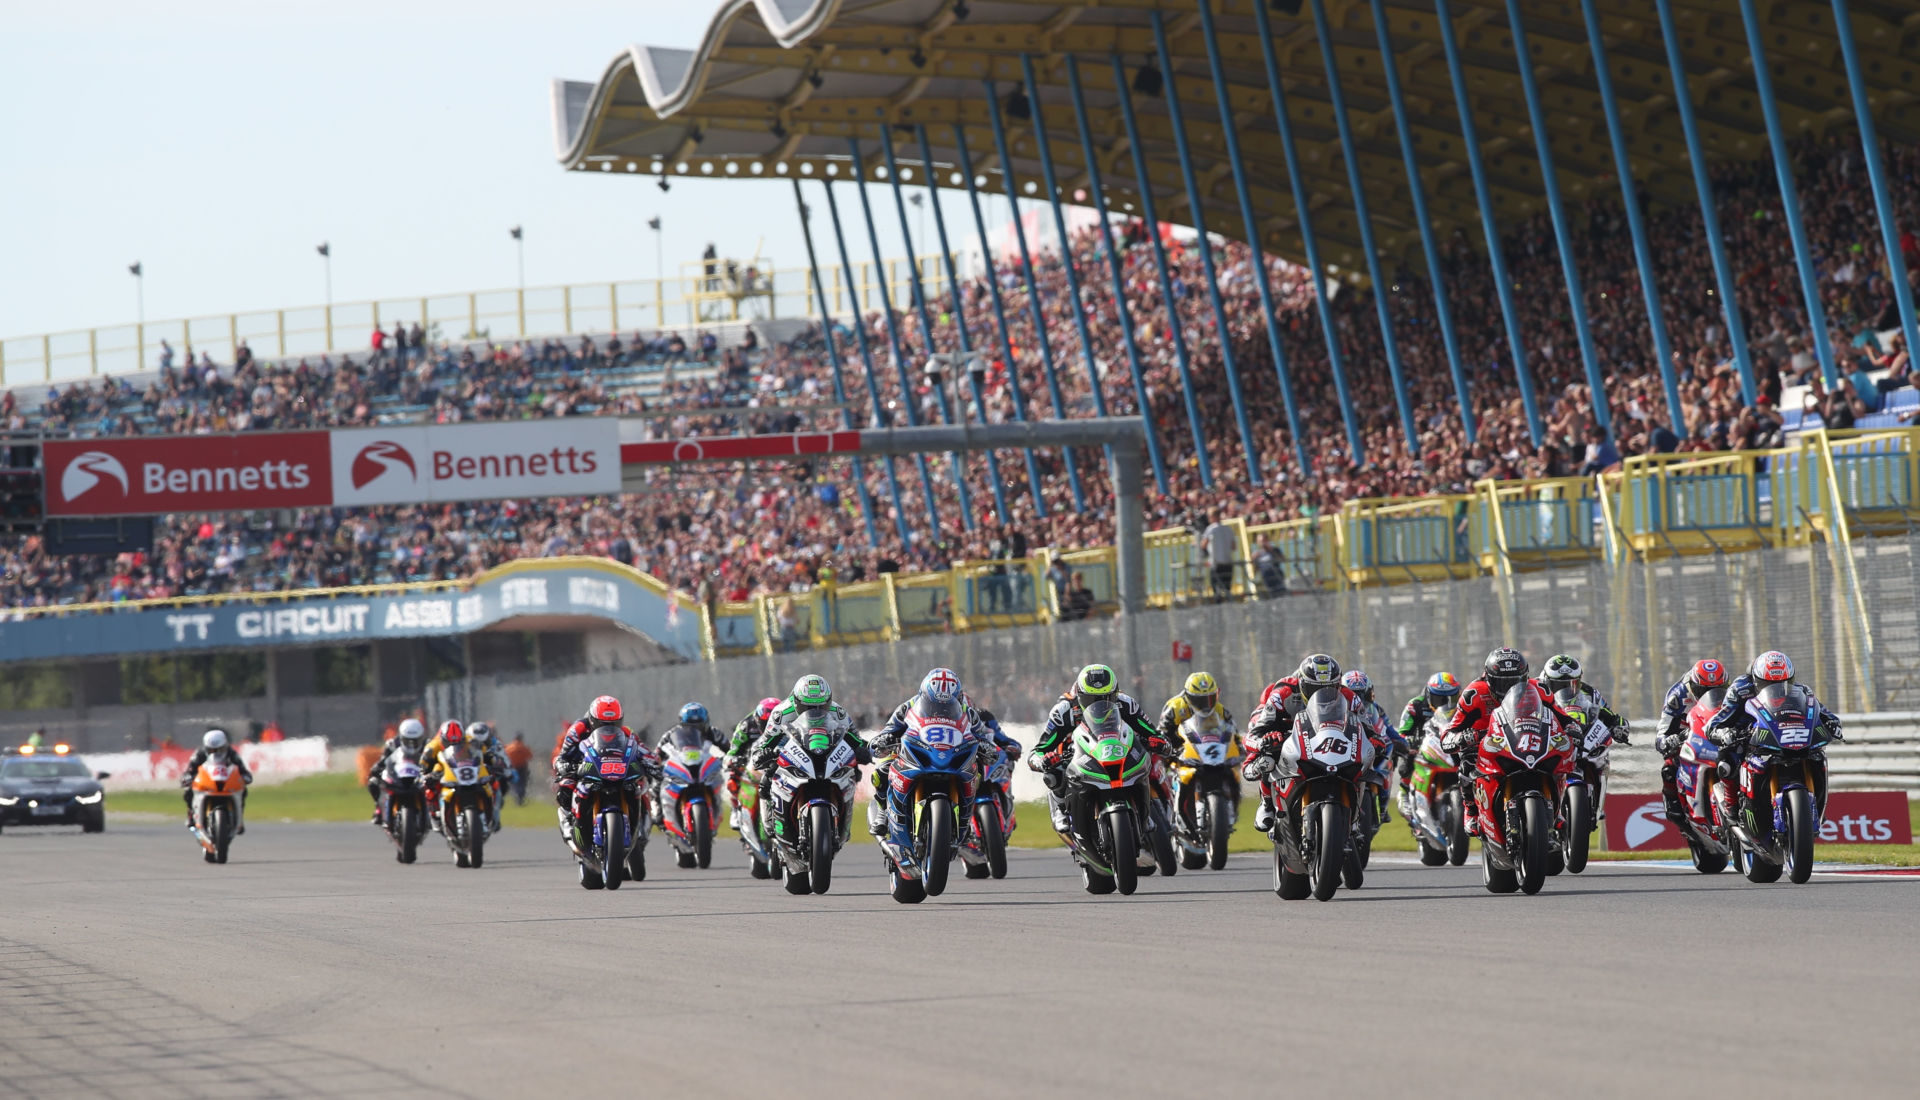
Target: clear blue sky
(218, 142)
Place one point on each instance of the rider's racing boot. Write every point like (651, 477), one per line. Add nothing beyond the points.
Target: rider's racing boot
(1263, 817)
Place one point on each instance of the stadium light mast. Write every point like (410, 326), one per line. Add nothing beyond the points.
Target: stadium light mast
(138, 271)
(325, 248)
(520, 247)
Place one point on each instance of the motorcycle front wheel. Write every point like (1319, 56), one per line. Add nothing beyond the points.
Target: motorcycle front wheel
(1327, 848)
(1123, 848)
(936, 843)
(1800, 835)
(1535, 842)
(702, 832)
(476, 839)
(1579, 827)
(409, 835)
(220, 826)
(613, 833)
(820, 877)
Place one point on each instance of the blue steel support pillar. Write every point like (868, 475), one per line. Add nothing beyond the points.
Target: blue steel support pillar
(999, 314)
(833, 359)
(1045, 149)
(1636, 221)
(1877, 175)
(1097, 197)
(1033, 287)
(1302, 217)
(1697, 157)
(1257, 254)
(1223, 333)
(1441, 306)
(960, 314)
(926, 324)
(866, 356)
(1324, 33)
(893, 333)
(1789, 194)
(1569, 266)
(1503, 283)
(1177, 331)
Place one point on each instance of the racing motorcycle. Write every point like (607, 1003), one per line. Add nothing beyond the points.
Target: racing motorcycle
(984, 849)
(465, 814)
(1586, 787)
(808, 796)
(1206, 791)
(217, 790)
(1435, 800)
(1783, 787)
(1106, 800)
(403, 803)
(1160, 830)
(1523, 766)
(762, 860)
(1317, 783)
(690, 795)
(612, 815)
(1709, 837)
(1370, 815)
(934, 770)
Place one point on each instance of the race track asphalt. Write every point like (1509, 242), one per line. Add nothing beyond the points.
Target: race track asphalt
(315, 965)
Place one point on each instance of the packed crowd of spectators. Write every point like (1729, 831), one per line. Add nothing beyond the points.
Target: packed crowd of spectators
(732, 533)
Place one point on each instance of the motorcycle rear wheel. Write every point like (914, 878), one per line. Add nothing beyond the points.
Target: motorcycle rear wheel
(1496, 879)
(1288, 885)
(1124, 848)
(906, 891)
(1705, 862)
(1579, 827)
(1431, 856)
(1800, 835)
(1162, 843)
(1328, 849)
(1095, 882)
(758, 869)
(589, 878)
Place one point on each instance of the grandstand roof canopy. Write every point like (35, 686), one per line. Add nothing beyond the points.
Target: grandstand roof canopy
(777, 87)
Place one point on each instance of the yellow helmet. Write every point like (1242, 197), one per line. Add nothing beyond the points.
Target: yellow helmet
(1201, 692)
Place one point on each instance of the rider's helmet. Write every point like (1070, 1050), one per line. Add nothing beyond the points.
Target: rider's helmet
(412, 735)
(1201, 692)
(1442, 690)
(1504, 668)
(1561, 672)
(1095, 684)
(1316, 672)
(1771, 667)
(812, 691)
(766, 707)
(1705, 675)
(941, 683)
(604, 709)
(214, 741)
(451, 734)
(1357, 682)
(694, 714)
(481, 734)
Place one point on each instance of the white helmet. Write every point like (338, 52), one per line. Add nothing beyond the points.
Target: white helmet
(214, 741)
(412, 730)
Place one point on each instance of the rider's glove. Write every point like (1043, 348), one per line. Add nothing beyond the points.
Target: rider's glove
(1667, 745)
(1257, 767)
(1456, 742)
(1620, 736)
(862, 754)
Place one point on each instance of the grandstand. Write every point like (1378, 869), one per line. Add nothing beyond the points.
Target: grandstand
(1045, 331)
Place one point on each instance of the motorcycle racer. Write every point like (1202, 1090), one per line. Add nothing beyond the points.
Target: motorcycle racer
(214, 746)
(1388, 746)
(1705, 675)
(809, 692)
(1272, 722)
(1200, 695)
(411, 737)
(1731, 724)
(1562, 672)
(1441, 691)
(692, 716)
(603, 711)
(1504, 669)
(1096, 683)
(941, 686)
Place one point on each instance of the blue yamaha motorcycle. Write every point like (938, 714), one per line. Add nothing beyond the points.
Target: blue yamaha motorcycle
(930, 799)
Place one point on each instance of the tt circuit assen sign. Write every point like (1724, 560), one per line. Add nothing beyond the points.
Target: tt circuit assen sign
(260, 470)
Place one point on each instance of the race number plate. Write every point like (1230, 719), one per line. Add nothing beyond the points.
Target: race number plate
(613, 767)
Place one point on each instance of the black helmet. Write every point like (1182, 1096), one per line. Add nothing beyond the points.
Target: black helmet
(1505, 668)
(1316, 672)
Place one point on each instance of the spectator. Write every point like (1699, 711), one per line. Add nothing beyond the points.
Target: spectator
(1079, 598)
(1218, 545)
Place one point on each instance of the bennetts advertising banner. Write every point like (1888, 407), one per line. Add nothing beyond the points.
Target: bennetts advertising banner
(155, 475)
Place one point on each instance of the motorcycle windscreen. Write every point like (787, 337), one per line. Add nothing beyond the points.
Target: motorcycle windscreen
(940, 712)
(686, 739)
(1785, 726)
(1328, 707)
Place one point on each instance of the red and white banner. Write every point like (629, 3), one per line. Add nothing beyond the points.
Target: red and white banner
(523, 458)
(138, 476)
(729, 447)
(1638, 822)
(162, 766)
(155, 475)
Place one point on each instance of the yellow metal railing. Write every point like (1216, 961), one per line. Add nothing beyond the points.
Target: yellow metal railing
(645, 304)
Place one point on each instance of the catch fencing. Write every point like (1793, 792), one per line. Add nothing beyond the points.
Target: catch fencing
(1849, 624)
